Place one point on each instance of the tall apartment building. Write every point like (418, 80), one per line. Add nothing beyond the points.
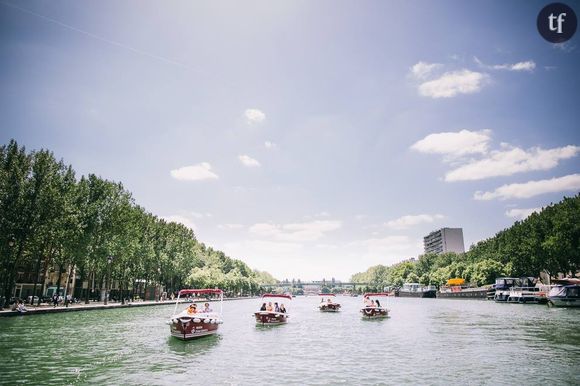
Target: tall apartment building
(444, 240)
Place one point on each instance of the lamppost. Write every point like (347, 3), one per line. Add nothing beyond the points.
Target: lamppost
(109, 261)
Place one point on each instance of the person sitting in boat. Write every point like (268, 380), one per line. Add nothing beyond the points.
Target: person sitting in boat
(263, 308)
(373, 304)
(282, 308)
(269, 307)
(276, 307)
(192, 309)
(368, 302)
(378, 303)
(329, 301)
(206, 308)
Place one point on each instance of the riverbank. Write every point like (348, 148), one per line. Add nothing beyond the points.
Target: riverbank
(49, 309)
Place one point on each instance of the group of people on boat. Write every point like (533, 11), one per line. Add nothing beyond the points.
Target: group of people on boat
(192, 309)
(370, 303)
(275, 308)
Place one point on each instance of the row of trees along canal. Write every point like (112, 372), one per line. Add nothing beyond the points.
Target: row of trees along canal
(50, 220)
(548, 242)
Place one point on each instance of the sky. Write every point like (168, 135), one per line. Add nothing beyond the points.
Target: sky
(308, 139)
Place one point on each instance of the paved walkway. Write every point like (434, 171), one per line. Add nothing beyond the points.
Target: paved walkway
(49, 309)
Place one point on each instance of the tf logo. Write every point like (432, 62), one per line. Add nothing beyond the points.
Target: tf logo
(557, 22)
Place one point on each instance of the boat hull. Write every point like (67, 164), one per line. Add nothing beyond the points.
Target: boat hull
(188, 328)
(473, 294)
(563, 302)
(270, 318)
(332, 307)
(374, 313)
(418, 294)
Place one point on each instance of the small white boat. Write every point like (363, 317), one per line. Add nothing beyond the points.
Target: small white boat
(268, 315)
(192, 323)
(566, 293)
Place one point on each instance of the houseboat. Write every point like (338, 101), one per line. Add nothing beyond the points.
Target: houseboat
(416, 290)
(458, 289)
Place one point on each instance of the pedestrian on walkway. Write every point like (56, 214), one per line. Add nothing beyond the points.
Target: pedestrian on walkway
(54, 300)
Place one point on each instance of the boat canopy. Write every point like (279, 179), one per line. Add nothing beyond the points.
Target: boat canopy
(368, 295)
(456, 281)
(277, 296)
(326, 295)
(567, 281)
(201, 291)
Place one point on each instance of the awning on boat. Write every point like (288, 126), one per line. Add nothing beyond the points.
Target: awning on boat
(326, 295)
(277, 296)
(201, 291)
(456, 281)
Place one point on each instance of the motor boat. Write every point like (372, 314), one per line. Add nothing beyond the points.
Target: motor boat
(192, 323)
(269, 314)
(519, 290)
(327, 303)
(372, 308)
(566, 293)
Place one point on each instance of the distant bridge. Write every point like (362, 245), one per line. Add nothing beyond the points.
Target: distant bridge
(315, 283)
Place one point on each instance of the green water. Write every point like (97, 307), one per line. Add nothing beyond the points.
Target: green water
(426, 341)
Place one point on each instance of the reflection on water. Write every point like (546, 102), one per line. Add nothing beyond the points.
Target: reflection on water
(425, 341)
(200, 346)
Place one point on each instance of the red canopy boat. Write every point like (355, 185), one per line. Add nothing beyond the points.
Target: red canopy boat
(327, 304)
(372, 307)
(192, 322)
(269, 315)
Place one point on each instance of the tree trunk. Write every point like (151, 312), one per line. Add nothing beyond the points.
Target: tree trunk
(58, 281)
(37, 273)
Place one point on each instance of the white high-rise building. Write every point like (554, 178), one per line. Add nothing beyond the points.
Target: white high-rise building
(444, 240)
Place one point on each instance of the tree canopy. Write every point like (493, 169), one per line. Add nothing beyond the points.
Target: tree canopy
(548, 241)
(50, 219)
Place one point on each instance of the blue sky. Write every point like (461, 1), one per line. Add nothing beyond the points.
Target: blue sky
(309, 139)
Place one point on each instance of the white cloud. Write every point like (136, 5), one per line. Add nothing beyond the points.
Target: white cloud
(176, 218)
(422, 70)
(270, 145)
(197, 172)
(230, 226)
(248, 161)
(453, 83)
(305, 231)
(532, 188)
(528, 65)
(565, 47)
(454, 143)
(522, 213)
(254, 116)
(514, 160)
(409, 221)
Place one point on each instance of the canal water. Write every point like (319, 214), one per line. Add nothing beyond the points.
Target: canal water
(425, 341)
